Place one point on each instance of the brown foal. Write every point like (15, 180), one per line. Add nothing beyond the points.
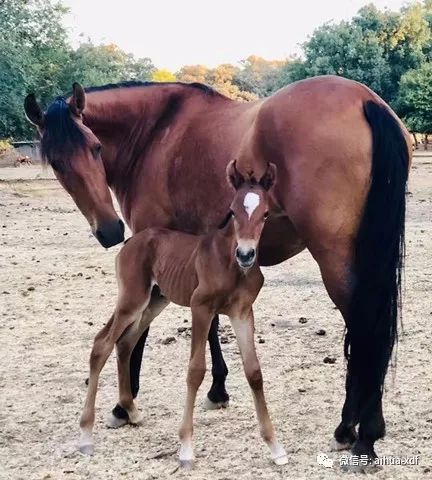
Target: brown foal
(214, 274)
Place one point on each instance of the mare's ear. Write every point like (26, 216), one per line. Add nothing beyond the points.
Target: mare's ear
(77, 101)
(269, 178)
(235, 178)
(33, 111)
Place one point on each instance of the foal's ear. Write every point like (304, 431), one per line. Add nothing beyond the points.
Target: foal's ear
(269, 177)
(33, 111)
(77, 101)
(234, 176)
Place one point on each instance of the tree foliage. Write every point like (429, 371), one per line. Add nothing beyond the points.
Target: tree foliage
(389, 51)
(414, 101)
(36, 57)
(163, 75)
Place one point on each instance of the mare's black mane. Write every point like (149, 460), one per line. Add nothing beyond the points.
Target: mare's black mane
(62, 136)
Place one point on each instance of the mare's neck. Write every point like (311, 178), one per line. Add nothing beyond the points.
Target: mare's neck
(127, 121)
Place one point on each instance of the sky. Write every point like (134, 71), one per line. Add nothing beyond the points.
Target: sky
(188, 32)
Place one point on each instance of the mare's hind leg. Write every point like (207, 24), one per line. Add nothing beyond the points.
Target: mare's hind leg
(363, 394)
(125, 345)
(217, 396)
(244, 330)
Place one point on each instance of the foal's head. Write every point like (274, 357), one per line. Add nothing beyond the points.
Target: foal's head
(249, 209)
(74, 153)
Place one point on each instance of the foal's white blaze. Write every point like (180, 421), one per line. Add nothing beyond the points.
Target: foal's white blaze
(251, 202)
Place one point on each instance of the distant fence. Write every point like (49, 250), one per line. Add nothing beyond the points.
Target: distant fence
(30, 148)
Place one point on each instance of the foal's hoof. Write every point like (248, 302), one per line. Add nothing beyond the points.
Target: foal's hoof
(283, 460)
(209, 405)
(186, 464)
(112, 421)
(87, 449)
(278, 454)
(136, 418)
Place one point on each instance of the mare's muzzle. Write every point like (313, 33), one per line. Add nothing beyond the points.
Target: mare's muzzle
(110, 233)
(245, 258)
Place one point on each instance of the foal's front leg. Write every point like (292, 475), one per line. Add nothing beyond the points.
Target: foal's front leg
(201, 319)
(244, 330)
(126, 314)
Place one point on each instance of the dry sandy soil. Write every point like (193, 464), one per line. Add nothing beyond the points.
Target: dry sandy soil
(57, 288)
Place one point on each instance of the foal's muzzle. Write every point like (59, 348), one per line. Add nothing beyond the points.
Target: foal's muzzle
(110, 233)
(245, 258)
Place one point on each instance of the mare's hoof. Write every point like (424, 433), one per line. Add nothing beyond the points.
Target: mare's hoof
(209, 405)
(87, 449)
(112, 421)
(336, 446)
(186, 464)
(361, 468)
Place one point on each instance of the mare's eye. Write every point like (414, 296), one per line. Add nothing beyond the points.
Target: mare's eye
(266, 214)
(97, 149)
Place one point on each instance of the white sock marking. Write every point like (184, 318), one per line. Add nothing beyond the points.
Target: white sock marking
(251, 202)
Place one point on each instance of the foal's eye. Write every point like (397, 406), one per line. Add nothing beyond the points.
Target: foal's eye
(266, 214)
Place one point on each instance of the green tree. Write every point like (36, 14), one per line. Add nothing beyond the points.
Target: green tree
(375, 47)
(345, 50)
(94, 65)
(414, 100)
(259, 76)
(221, 79)
(34, 50)
(292, 71)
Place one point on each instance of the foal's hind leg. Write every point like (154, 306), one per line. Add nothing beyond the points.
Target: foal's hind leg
(244, 330)
(201, 319)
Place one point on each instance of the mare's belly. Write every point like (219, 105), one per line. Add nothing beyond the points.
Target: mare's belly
(279, 241)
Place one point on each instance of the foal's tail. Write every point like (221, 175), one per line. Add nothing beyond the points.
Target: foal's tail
(379, 253)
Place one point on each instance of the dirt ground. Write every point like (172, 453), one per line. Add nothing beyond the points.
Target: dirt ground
(57, 288)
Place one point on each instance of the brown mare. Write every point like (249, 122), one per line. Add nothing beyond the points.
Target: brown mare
(342, 158)
(216, 273)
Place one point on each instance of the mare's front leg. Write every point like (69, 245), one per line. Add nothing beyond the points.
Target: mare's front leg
(119, 416)
(244, 330)
(125, 345)
(201, 319)
(217, 396)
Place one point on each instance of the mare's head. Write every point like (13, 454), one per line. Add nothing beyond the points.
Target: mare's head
(74, 153)
(249, 209)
